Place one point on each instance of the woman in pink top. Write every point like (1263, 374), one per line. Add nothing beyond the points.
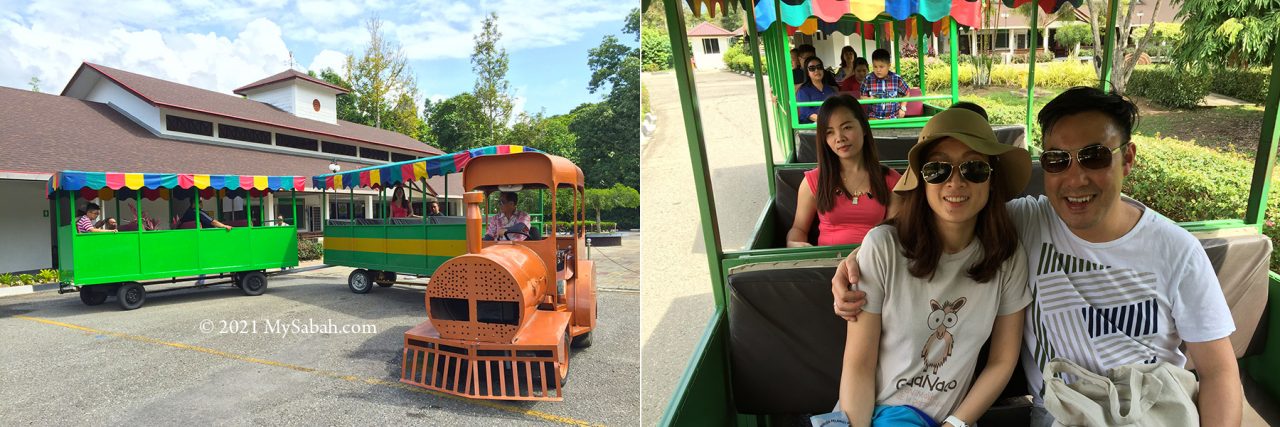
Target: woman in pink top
(848, 192)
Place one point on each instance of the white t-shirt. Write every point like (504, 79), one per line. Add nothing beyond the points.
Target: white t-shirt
(931, 330)
(1101, 305)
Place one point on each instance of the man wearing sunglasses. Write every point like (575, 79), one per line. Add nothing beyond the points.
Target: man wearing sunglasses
(1114, 283)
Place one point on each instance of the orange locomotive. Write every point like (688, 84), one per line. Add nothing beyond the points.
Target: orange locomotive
(502, 317)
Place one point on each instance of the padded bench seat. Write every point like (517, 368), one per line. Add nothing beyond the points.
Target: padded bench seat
(785, 344)
(895, 147)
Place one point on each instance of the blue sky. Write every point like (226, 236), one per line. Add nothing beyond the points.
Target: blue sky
(221, 45)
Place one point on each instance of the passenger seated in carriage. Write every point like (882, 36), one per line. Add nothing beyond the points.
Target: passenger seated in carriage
(941, 278)
(400, 207)
(86, 223)
(189, 216)
(848, 192)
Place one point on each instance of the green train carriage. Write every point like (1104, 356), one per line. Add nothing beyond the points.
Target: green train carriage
(152, 249)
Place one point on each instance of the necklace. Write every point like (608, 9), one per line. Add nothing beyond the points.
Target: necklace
(855, 195)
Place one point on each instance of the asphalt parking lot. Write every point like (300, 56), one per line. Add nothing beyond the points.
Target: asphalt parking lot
(176, 360)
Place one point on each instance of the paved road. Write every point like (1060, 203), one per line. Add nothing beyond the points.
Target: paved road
(154, 366)
(677, 289)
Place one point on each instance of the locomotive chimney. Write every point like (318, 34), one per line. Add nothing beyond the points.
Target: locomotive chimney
(472, 199)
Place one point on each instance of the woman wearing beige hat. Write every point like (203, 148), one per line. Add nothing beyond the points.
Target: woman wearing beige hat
(941, 277)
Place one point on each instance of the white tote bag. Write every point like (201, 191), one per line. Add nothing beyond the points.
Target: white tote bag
(1131, 395)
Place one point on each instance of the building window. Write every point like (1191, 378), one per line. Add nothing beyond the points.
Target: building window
(336, 148)
(1002, 39)
(369, 153)
(244, 134)
(710, 46)
(186, 125)
(397, 157)
(297, 142)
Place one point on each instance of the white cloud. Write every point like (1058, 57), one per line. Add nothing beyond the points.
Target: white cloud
(50, 52)
(329, 59)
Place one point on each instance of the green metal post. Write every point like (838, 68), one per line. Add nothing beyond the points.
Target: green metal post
(863, 32)
(791, 83)
(921, 50)
(1110, 45)
(1031, 71)
(137, 210)
(324, 207)
(697, 149)
(219, 214)
(764, 112)
(248, 209)
(446, 189)
(195, 199)
(262, 211)
(788, 98)
(351, 205)
(119, 217)
(293, 206)
(1265, 160)
(953, 39)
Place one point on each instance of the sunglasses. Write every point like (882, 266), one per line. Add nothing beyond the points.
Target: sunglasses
(814, 67)
(975, 171)
(1093, 157)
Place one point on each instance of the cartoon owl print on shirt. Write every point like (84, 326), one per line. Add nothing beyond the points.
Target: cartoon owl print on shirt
(937, 348)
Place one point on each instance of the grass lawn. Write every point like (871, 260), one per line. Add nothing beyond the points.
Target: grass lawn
(1229, 129)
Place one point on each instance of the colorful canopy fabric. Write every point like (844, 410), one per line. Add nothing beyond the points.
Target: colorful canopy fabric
(77, 180)
(809, 15)
(412, 170)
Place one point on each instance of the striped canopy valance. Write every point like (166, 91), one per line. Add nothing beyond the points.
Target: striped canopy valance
(390, 174)
(79, 180)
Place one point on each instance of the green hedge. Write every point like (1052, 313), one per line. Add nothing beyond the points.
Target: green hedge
(309, 250)
(1041, 56)
(1052, 75)
(1250, 85)
(737, 59)
(1168, 86)
(1187, 182)
(655, 50)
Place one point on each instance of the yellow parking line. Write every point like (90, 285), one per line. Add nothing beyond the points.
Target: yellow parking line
(323, 373)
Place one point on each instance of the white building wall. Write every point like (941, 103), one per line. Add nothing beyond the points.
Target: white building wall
(25, 239)
(107, 92)
(709, 61)
(306, 93)
(281, 97)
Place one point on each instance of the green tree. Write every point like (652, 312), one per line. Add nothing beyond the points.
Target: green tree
(617, 196)
(452, 124)
(346, 102)
(489, 62)
(1238, 33)
(608, 131)
(1123, 59)
(381, 73)
(1073, 34)
(403, 117)
(35, 84)
(549, 134)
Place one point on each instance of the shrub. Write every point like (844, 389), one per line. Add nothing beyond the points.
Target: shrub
(1054, 75)
(7, 279)
(1168, 86)
(1250, 85)
(47, 276)
(26, 279)
(738, 59)
(1186, 182)
(309, 250)
(655, 50)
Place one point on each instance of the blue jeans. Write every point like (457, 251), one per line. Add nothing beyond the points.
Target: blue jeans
(881, 416)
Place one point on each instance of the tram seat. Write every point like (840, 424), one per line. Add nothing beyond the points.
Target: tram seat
(896, 147)
(368, 221)
(914, 108)
(406, 221)
(786, 346)
(339, 222)
(784, 205)
(447, 220)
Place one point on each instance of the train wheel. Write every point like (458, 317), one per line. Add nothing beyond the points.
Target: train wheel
(93, 295)
(386, 279)
(359, 281)
(253, 283)
(562, 368)
(131, 296)
(582, 341)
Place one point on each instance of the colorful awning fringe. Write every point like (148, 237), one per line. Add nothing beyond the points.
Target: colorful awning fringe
(830, 16)
(95, 181)
(412, 170)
